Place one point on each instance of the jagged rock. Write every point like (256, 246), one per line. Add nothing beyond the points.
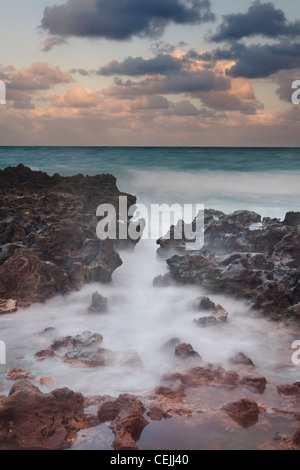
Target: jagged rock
(48, 240)
(206, 304)
(245, 412)
(99, 303)
(289, 390)
(34, 420)
(79, 351)
(185, 351)
(8, 306)
(254, 383)
(156, 413)
(127, 416)
(170, 393)
(242, 256)
(241, 359)
(17, 374)
(206, 375)
(219, 316)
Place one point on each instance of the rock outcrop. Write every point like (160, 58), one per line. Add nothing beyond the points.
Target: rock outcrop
(48, 240)
(30, 419)
(245, 257)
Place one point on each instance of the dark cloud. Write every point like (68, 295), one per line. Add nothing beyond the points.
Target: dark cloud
(185, 81)
(82, 72)
(259, 61)
(261, 19)
(161, 64)
(122, 19)
(48, 45)
(185, 108)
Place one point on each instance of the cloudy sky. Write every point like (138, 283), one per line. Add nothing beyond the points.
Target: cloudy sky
(150, 72)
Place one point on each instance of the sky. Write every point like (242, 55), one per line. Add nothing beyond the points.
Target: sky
(150, 72)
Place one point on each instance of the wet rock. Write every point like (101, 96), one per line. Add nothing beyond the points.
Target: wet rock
(296, 438)
(206, 304)
(8, 306)
(219, 316)
(34, 420)
(185, 351)
(253, 383)
(156, 413)
(170, 393)
(162, 281)
(99, 303)
(244, 412)
(48, 240)
(242, 256)
(169, 345)
(289, 390)
(206, 375)
(17, 374)
(80, 351)
(126, 414)
(241, 359)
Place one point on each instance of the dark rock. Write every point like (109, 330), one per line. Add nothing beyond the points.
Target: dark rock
(162, 281)
(289, 390)
(219, 316)
(255, 384)
(79, 351)
(259, 264)
(241, 359)
(206, 304)
(296, 438)
(34, 420)
(156, 413)
(99, 303)
(127, 416)
(245, 412)
(185, 351)
(48, 240)
(170, 393)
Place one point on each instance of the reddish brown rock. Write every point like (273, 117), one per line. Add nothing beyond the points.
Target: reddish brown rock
(80, 351)
(47, 381)
(245, 412)
(296, 438)
(127, 416)
(241, 359)
(255, 384)
(289, 389)
(207, 375)
(170, 393)
(17, 374)
(34, 420)
(156, 413)
(185, 351)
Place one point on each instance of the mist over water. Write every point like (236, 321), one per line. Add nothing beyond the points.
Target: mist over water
(141, 318)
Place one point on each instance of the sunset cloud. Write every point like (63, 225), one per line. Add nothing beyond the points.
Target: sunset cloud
(122, 19)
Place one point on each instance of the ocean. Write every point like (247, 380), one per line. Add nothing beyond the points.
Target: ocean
(142, 318)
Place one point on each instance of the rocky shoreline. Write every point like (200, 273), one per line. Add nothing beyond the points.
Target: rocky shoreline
(49, 247)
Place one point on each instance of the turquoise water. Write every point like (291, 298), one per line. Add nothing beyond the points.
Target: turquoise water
(91, 160)
(265, 180)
